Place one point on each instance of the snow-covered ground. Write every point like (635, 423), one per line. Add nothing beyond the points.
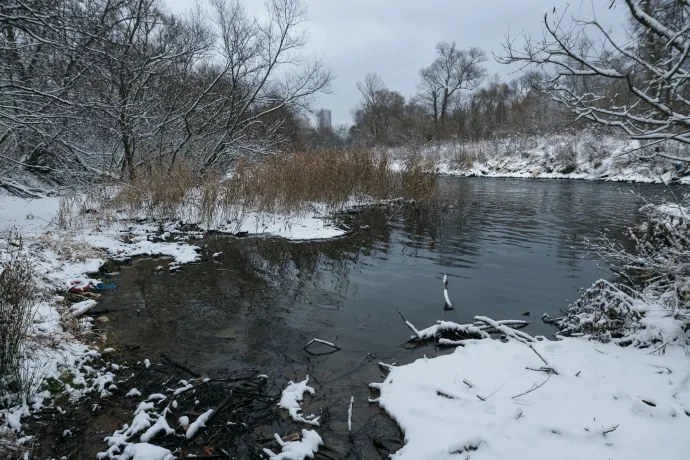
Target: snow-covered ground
(583, 155)
(494, 400)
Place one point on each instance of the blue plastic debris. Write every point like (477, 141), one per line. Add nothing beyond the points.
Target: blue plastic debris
(104, 286)
(112, 275)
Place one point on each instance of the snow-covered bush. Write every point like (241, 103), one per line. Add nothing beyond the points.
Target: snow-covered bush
(651, 304)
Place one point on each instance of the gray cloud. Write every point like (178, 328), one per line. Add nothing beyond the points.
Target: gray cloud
(396, 38)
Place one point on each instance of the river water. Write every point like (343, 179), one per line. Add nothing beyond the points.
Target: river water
(508, 246)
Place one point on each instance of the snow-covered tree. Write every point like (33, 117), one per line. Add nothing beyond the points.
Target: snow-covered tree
(638, 82)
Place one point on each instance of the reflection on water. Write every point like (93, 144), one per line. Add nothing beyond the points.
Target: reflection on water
(508, 247)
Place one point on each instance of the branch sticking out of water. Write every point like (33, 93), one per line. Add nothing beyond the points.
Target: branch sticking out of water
(329, 344)
(448, 305)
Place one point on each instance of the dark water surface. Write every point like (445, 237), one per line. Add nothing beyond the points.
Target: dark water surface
(509, 246)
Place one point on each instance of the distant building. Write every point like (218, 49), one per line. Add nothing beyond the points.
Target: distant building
(323, 119)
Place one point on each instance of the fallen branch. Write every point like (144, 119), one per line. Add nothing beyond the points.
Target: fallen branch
(329, 344)
(517, 335)
(416, 332)
(543, 360)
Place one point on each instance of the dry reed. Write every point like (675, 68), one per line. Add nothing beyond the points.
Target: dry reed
(287, 184)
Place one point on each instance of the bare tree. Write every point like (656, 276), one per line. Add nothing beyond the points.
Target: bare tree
(638, 84)
(451, 71)
(109, 86)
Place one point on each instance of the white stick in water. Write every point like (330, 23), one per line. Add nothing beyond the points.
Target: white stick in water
(445, 292)
(349, 415)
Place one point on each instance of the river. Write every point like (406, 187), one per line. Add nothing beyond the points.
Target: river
(508, 247)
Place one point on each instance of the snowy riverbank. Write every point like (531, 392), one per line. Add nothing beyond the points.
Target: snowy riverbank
(584, 156)
(492, 400)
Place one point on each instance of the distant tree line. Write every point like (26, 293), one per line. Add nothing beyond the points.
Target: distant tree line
(455, 100)
(578, 74)
(113, 86)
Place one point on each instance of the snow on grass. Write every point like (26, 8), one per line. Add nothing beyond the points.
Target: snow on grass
(582, 155)
(605, 402)
(297, 450)
(291, 397)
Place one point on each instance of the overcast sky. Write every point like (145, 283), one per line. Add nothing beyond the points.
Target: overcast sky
(395, 38)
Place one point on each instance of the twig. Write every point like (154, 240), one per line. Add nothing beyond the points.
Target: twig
(180, 366)
(416, 332)
(543, 360)
(315, 340)
(487, 397)
(548, 370)
(610, 430)
(533, 388)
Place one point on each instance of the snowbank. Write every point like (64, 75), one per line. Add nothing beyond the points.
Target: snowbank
(487, 400)
(583, 155)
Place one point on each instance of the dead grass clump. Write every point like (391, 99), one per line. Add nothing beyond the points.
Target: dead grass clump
(291, 183)
(157, 193)
(419, 178)
(68, 247)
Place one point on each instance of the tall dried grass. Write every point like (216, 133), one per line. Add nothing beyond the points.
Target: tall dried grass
(291, 183)
(288, 183)
(157, 193)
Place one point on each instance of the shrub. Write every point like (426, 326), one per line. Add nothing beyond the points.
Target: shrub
(16, 308)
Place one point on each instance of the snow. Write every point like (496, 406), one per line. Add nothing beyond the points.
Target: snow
(463, 329)
(583, 155)
(297, 450)
(315, 340)
(79, 308)
(674, 210)
(30, 217)
(161, 425)
(198, 423)
(133, 392)
(145, 451)
(291, 397)
(593, 408)
(312, 225)
(186, 387)
(145, 418)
